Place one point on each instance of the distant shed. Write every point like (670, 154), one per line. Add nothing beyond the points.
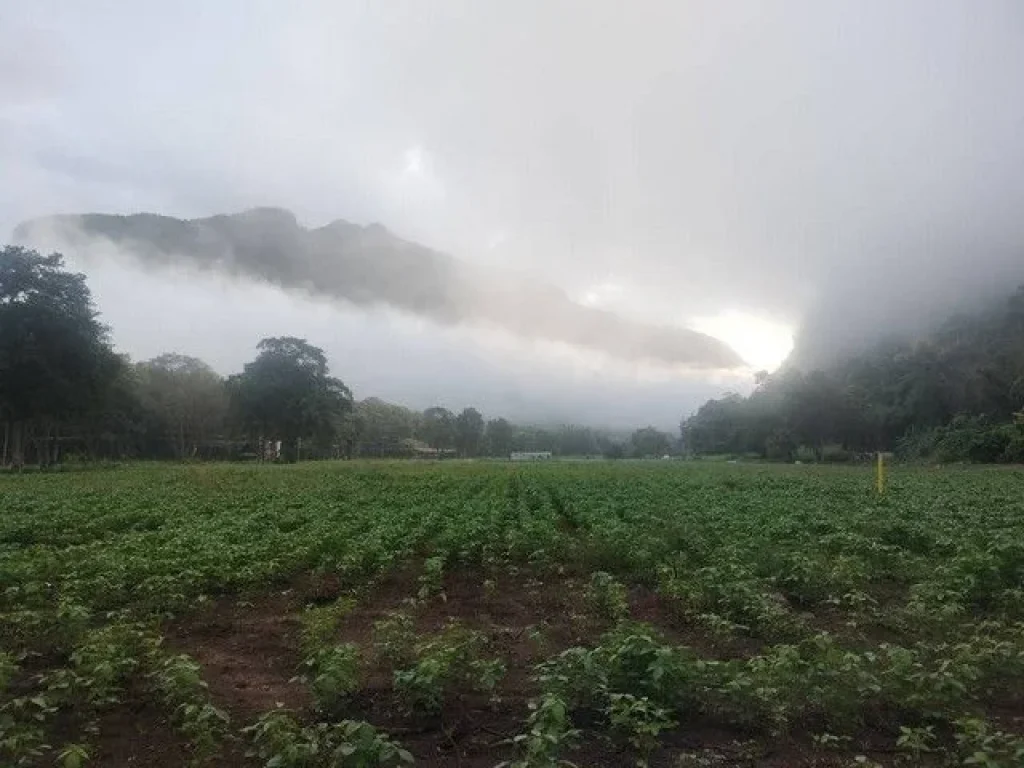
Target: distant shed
(530, 456)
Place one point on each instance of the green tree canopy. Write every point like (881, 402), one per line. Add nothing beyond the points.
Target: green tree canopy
(469, 432)
(287, 393)
(55, 359)
(187, 396)
(379, 427)
(499, 434)
(438, 427)
(650, 442)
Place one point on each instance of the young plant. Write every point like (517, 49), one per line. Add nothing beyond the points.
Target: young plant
(282, 742)
(431, 581)
(105, 661)
(916, 741)
(179, 680)
(607, 596)
(355, 744)
(73, 756)
(8, 668)
(451, 660)
(23, 730)
(549, 732)
(394, 638)
(333, 675)
(641, 721)
(982, 745)
(319, 624)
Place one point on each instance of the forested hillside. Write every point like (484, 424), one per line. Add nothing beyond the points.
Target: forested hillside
(951, 395)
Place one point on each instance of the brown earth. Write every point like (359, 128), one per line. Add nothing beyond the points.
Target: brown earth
(249, 650)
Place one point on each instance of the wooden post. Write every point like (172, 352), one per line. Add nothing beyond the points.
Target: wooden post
(880, 474)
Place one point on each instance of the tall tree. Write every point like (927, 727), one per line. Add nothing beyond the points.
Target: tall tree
(119, 424)
(188, 397)
(573, 440)
(379, 428)
(533, 438)
(287, 394)
(438, 427)
(469, 432)
(55, 359)
(499, 434)
(650, 442)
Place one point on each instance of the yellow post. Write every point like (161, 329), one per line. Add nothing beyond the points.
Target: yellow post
(880, 474)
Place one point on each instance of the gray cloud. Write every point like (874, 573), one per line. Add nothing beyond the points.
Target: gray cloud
(848, 168)
(369, 265)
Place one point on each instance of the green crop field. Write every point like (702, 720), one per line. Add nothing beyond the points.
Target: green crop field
(472, 614)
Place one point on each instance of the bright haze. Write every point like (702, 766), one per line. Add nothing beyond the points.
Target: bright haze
(630, 206)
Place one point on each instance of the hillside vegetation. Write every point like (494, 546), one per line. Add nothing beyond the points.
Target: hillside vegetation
(951, 395)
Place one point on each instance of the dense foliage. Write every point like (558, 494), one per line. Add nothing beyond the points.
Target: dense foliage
(796, 606)
(971, 366)
(286, 394)
(55, 362)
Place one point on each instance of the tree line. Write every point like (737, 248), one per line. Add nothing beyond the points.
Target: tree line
(954, 394)
(65, 392)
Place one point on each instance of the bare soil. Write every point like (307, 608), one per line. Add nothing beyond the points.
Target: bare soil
(248, 646)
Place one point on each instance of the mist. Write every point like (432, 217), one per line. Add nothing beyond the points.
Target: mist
(844, 170)
(368, 266)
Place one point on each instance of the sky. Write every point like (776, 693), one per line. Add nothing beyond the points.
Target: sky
(757, 171)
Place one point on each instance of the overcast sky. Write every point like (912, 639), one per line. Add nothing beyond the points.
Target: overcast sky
(745, 168)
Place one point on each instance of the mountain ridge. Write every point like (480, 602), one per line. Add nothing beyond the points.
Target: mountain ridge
(368, 265)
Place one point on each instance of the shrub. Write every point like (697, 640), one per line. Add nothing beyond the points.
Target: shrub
(965, 439)
(319, 624)
(282, 742)
(448, 662)
(395, 638)
(549, 731)
(431, 581)
(333, 675)
(641, 721)
(607, 596)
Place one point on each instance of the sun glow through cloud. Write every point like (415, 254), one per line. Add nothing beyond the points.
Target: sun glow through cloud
(763, 344)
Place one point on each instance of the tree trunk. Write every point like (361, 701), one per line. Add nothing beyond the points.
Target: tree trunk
(17, 447)
(7, 443)
(55, 455)
(43, 445)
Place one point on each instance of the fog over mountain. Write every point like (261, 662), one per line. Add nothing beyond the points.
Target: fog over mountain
(368, 266)
(630, 172)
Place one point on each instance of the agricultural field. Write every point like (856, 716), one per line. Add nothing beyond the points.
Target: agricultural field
(482, 614)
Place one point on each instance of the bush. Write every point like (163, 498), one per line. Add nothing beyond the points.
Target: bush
(1014, 451)
(608, 596)
(965, 439)
(988, 446)
(281, 741)
(447, 663)
(333, 674)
